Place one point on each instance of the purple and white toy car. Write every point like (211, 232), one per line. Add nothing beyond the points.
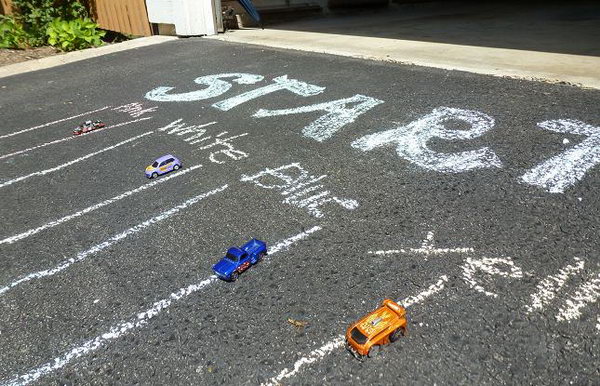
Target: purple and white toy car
(163, 165)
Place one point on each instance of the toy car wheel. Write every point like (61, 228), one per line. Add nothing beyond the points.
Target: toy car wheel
(394, 336)
(374, 351)
(234, 276)
(154, 175)
(176, 167)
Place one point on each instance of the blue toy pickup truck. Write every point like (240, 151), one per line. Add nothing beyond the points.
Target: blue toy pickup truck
(237, 260)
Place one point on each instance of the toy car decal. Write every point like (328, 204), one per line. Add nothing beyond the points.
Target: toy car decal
(243, 267)
(372, 324)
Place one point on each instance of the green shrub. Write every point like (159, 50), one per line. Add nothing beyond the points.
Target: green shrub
(36, 15)
(69, 35)
(12, 34)
(61, 23)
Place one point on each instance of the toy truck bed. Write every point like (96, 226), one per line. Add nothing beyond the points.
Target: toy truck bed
(255, 247)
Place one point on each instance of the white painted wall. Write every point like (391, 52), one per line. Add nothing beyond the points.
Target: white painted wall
(190, 17)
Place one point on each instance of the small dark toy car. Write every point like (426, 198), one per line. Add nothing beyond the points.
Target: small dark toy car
(88, 126)
(237, 260)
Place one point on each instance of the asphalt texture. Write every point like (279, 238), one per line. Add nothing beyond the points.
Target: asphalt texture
(238, 333)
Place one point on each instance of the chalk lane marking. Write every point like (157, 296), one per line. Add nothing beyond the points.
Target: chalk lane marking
(76, 160)
(549, 287)
(329, 347)
(110, 242)
(138, 321)
(587, 292)
(431, 290)
(51, 224)
(53, 122)
(427, 248)
(71, 137)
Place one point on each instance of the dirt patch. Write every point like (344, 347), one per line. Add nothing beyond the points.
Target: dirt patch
(15, 56)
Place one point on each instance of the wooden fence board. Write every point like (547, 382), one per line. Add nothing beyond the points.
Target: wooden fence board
(5, 7)
(124, 16)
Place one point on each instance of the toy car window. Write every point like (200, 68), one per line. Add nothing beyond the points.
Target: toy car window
(231, 257)
(163, 163)
(169, 160)
(358, 336)
(155, 164)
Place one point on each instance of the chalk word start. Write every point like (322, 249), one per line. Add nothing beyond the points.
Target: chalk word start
(411, 141)
(300, 188)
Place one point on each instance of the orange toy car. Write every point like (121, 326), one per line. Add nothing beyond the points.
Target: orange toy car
(382, 326)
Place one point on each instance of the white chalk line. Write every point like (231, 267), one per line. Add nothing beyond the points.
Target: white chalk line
(110, 242)
(285, 244)
(427, 248)
(51, 224)
(431, 290)
(339, 341)
(69, 138)
(140, 320)
(53, 122)
(76, 160)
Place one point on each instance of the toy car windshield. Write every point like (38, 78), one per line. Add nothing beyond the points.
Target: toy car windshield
(231, 257)
(155, 164)
(358, 336)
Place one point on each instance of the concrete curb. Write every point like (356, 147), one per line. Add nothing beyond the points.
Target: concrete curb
(578, 70)
(53, 61)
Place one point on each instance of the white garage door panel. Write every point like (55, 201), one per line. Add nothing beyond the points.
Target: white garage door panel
(191, 17)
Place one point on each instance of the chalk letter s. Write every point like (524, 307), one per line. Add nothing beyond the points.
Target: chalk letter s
(216, 87)
(411, 141)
